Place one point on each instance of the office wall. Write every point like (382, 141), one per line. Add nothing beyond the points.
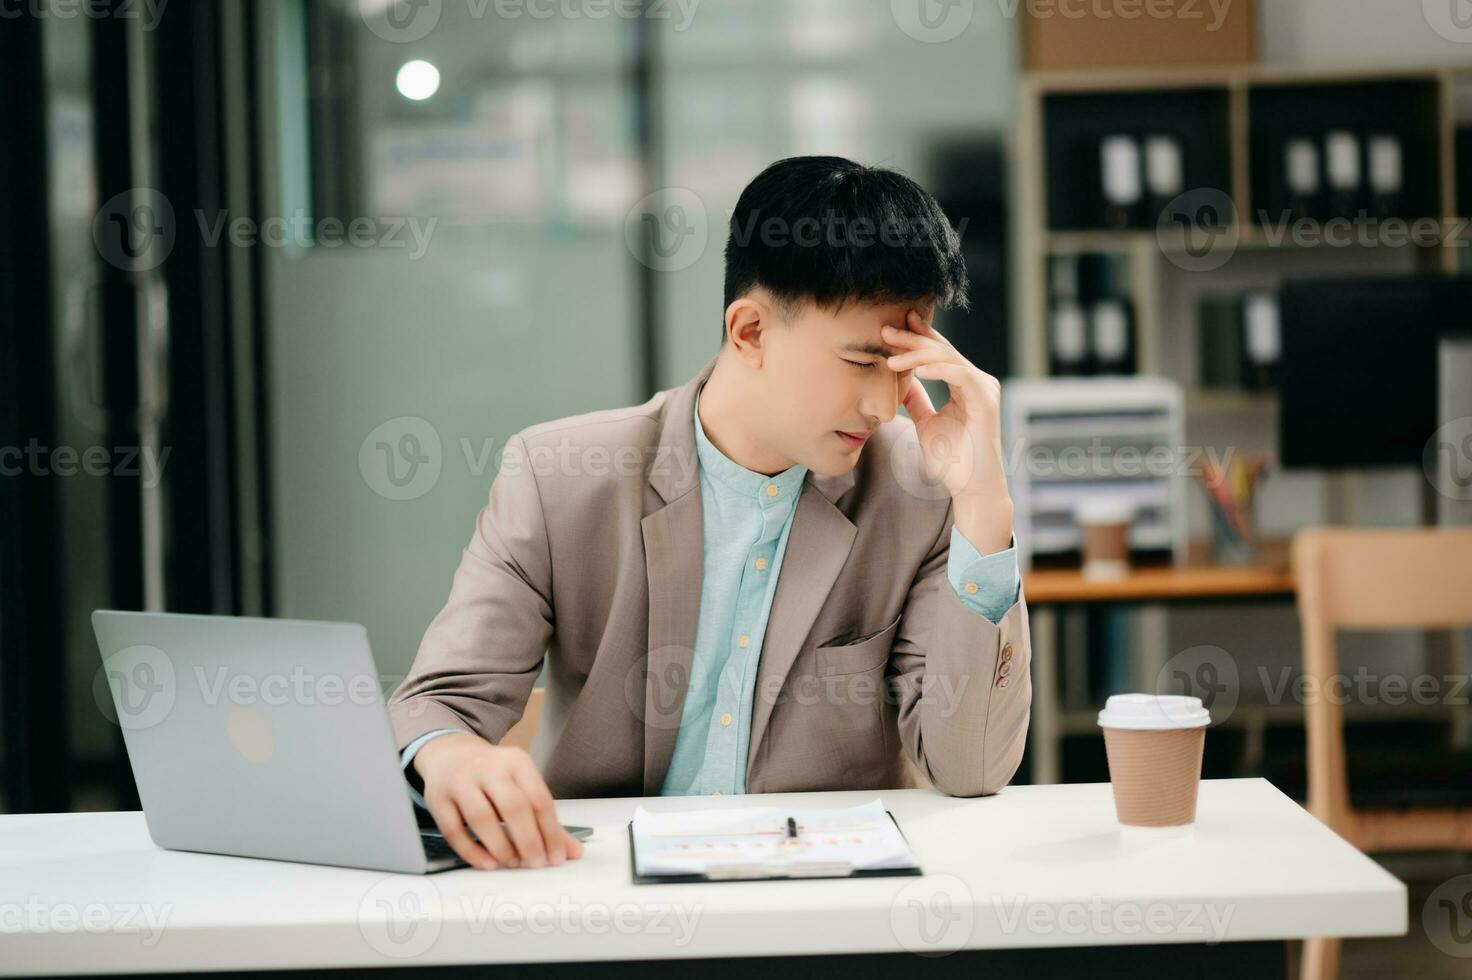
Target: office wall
(479, 338)
(750, 82)
(397, 371)
(1359, 32)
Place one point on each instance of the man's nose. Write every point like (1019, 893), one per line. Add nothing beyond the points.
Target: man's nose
(882, 398)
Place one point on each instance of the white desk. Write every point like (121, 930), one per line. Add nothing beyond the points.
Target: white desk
(1036, 866)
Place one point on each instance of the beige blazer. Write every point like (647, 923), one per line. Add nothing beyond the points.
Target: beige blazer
(589, 552)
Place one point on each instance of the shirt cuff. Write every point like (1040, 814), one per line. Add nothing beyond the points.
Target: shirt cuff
(407, 756)
(985, 584)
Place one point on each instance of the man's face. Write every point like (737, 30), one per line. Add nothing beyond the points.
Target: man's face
(824, 374)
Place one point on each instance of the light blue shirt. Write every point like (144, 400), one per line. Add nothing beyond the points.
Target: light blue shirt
(747, 518)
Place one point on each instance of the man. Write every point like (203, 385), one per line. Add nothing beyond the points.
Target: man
(761, 581)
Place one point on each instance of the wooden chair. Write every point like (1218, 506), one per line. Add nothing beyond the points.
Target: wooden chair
(1372, 579)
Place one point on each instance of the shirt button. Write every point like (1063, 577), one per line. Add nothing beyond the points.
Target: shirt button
(1006, 653)
(1005, 669)
(971, 588)
(726, 719)
(1001, 682)
(744, 640)
(761, 564)
(771, 489)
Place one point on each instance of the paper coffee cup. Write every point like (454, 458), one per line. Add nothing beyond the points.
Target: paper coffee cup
(1154, 745)
(1104, 529)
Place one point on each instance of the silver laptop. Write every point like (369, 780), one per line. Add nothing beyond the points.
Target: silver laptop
(263, 738)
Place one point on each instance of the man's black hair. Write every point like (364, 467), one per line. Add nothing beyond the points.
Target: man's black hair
(829, 231)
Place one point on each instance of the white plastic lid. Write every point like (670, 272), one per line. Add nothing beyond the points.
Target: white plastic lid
(1103, 510)
(1153, 712)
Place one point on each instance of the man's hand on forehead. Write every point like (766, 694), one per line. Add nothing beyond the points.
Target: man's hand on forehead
(960, 442)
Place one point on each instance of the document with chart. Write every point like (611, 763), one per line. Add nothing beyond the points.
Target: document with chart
(768, 842)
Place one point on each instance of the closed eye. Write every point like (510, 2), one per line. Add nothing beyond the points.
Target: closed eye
(861, 365)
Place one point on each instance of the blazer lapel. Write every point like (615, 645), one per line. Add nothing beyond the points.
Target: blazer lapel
(674, 554)
(817, 549)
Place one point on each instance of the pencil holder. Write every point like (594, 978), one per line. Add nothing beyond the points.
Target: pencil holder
(1229, 545)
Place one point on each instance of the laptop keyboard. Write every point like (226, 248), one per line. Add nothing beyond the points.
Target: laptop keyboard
(436, 847)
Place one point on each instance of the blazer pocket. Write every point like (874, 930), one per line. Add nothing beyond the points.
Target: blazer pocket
(858, 656)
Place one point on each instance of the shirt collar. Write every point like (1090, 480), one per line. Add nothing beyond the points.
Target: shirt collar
(736, 477)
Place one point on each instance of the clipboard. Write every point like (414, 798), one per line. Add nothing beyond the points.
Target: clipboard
(771, 871)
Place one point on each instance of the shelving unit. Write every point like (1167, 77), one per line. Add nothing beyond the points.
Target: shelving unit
(1139, 414)
(1036, 240)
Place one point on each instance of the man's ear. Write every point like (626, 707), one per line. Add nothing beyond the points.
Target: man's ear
(747, 320)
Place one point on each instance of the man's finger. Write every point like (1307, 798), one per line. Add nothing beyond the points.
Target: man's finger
(480, 815)
(917, 401)
(448, 819)
(950, 372)
(924, 329)
(896, 337)
(521, 824)
(921, 355)
(544, 810)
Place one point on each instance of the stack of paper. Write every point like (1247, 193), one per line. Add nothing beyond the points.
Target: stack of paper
(753, 842)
